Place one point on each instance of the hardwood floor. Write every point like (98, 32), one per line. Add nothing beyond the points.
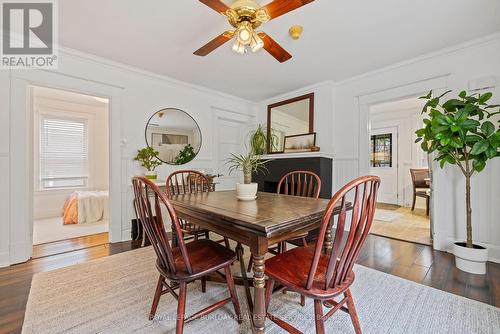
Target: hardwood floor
(69, 245)
(418, 263)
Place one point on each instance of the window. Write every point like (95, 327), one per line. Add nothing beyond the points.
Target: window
(381, 150)
(63, 152)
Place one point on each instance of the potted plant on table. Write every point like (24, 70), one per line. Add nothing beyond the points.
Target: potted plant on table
(461, 134)
(248, 163)
(148, 157)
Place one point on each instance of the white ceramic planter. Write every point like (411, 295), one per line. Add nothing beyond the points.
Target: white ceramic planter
(246, 192)
(471, 260)
(152, 175)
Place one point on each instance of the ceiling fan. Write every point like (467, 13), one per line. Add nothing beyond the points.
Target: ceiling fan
(246, 16)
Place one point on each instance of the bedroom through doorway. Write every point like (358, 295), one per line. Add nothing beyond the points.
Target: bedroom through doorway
(70, 169)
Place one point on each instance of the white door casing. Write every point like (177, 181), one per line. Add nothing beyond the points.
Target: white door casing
(230, 134)
(21, 228)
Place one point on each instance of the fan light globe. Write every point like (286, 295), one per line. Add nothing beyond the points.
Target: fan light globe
(244, 34)
(256, 44)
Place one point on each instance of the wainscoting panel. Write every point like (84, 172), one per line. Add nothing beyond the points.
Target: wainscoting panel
(345, 169)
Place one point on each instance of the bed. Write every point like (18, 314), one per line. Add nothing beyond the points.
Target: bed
(83, 207)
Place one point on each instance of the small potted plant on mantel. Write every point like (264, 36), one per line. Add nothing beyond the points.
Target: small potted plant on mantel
(148, 157)
(460, 133)
(247, 163)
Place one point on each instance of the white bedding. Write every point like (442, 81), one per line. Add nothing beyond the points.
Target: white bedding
(92, 206)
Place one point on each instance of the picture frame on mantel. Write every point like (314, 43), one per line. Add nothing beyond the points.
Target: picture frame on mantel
(299, 143)
(291, 117)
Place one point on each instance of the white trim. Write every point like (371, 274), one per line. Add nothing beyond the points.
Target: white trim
(121, 66)
(297, 155)
(299, 91)
(453, 49)
(21, 200)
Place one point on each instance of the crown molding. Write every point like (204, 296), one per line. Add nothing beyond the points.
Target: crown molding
(299, 90)
(117, 65)
(495, 37)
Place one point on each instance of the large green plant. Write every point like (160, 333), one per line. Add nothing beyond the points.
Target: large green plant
(247, 163)
(148, 157)
(460, 131)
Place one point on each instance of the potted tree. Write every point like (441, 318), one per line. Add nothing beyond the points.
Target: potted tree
(461, 134)
(247, 163)
(148, 157)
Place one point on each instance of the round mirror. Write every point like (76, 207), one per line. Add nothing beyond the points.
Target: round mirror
(175, 135)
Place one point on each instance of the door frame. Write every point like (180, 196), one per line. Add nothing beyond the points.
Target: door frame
(437, 85)
(232, 116)
(21, 137)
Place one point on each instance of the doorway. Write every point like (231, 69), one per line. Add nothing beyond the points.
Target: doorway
(70, 171)
(393, 156)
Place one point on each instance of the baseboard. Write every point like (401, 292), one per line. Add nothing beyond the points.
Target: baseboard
(19, 253)
(4, 259)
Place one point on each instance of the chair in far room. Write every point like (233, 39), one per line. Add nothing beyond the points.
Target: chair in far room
(421, 186)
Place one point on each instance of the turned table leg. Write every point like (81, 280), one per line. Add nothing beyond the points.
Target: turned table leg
(328, 245)
(259, 283)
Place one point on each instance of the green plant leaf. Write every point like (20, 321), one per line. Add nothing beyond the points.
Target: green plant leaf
(455, 128)
(491, 152)
(479, 147)
(485, 97)
(462, 94)
(445, 141)
(487, 128)
(478, 165)
(418, 139)
(470, 124)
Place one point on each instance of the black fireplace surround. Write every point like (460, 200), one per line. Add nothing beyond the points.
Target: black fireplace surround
(268, 182)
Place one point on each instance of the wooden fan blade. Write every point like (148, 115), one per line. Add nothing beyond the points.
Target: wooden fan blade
(271, 46)
(214, 43)
(216, 5)
(280, 7)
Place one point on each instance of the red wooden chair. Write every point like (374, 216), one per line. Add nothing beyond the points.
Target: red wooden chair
(185, 263)
(187, 182)
(296, 183)
(321, 275)
(299, 183)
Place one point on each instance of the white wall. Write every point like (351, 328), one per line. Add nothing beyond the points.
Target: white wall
(135, 96)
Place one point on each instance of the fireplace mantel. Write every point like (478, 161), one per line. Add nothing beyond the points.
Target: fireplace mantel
(280, 164)
(297, 155)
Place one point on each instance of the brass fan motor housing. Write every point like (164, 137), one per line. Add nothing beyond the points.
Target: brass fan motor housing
(246, 10)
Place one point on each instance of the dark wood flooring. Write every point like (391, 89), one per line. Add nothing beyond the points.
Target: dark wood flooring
(415, 262)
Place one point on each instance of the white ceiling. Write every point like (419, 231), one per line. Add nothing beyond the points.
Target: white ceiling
(341, 39)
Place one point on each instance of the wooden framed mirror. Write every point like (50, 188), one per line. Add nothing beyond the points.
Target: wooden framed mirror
(288, 118)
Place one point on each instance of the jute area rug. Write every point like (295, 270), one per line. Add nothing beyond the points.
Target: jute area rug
(114, 294)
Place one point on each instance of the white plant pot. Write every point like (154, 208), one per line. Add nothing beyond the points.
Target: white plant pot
(471, 260)
(246, 192)
(151, 175)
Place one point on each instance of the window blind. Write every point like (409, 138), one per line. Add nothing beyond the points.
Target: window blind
(63, 152)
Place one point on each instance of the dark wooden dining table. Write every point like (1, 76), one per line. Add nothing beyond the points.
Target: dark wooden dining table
(258, 224)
